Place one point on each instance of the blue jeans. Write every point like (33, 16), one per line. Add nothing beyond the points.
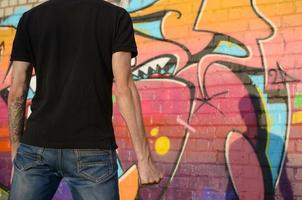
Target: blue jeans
(91, 174)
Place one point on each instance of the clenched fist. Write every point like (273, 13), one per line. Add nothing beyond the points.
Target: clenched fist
(149, 172)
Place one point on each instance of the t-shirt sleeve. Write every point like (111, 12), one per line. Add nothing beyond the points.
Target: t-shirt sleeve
(123, 39)
(21, 44)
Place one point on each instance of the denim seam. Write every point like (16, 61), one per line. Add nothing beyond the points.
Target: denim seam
(38, 159)
(40, 152)
(104, 177)
(59, 168)
(77, 161)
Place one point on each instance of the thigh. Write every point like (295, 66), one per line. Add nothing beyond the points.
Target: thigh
(32, 178)
(95, 177)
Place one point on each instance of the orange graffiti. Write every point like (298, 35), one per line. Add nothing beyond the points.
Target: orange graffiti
(128, 184)
(7, 35)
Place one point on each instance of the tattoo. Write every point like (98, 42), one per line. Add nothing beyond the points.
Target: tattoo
(16, 110)
(16, 117)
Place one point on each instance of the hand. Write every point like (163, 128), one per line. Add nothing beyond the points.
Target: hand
(149, 172)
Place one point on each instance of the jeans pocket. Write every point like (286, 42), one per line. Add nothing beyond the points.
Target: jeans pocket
(96, 165)
(27, 156)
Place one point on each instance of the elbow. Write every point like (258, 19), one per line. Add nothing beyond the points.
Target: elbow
(121, 91)
(126, 90)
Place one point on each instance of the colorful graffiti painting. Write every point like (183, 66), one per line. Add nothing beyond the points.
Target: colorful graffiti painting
(221, 93)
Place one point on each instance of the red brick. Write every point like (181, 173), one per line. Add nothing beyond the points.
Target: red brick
(249, 172)
(237, 3)
(128, 155)
(298, 6)
(221, 158)
(299, 145)
(274, 49)
(239, 13)
(250, 184)
(292, 20)
(199, 157)
(291, 146)
(293, 47)
(173, 194)
(199, 145)
(211, 170)
(186, 169)
(294, 160)
(296, 187)
(214, 183)
(291, 34)
(216, 15)
(218, 144)
(298, 174)
(181, 182)
(201, 132)
(175, 143)
(296, 132)
(269, 2)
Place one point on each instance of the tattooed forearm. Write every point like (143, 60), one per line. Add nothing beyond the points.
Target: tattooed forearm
(21, 75)
(16, 117)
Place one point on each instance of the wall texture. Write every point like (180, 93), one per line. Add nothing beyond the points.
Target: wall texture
(221, 91)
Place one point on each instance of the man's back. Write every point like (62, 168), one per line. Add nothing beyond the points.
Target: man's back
(70, 45)
(76, 47)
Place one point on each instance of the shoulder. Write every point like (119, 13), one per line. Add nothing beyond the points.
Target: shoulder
(114, 9)
(112, 13)
(41, 6)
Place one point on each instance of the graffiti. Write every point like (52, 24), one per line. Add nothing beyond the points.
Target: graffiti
(298, 101)
(280, 74)
(218, 84)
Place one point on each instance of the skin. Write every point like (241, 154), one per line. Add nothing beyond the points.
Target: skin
(128, 101)
(21, 75)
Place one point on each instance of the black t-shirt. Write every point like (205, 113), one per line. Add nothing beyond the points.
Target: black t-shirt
(70, 44)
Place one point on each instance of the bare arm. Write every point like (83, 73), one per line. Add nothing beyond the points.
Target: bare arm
(128, 102)
(129, 105)
(21, 75)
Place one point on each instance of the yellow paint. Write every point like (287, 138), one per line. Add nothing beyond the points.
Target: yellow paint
(297, 117)
(268, 122)
(162, 145)
(154, 132)
(3, 194)
(230, 44)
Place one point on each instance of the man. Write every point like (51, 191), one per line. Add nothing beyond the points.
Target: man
(76, 48)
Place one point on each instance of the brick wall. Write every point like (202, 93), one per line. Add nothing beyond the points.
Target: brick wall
(220, 84)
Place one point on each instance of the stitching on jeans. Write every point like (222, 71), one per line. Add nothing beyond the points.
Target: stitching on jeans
(110, 171)
(40, 153)
(107, 175)
(36, 150)
(24, 166)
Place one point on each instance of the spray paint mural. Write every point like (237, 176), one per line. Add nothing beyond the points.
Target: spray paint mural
(221, 96)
